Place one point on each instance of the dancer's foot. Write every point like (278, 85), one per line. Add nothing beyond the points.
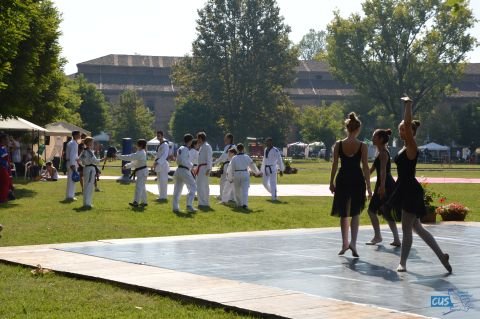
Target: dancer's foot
(446, 264)
(401, 268)
(354, 252)
(342, 252)
(374, 241)
(396, 244)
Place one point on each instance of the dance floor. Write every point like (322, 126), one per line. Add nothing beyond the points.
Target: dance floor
(306, 261)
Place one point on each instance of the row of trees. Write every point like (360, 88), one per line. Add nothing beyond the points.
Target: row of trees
(242, 59)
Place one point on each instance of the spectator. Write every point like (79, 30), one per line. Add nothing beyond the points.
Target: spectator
(16, 155)
(50, 173)
(5, 178)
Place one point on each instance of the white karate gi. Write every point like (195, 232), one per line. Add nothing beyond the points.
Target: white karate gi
(272, 161)
(224, 160)
(72, 157)
(162, 168)
(228, 193)
(88, 159)
(137, 161)
(239, 168)
(183, 175)
(204, 165)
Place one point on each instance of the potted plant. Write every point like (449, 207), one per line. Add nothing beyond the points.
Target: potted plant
(429, 198)
(452, 212)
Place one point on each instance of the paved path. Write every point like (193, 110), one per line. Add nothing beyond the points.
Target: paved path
(284, 274)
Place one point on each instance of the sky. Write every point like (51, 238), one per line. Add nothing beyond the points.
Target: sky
(94, 28)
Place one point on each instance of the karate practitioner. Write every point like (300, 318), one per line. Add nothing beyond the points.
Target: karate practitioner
(161, 166)
(184, 175)
(228, 193)
(239, 168)
(194, 153)
(272, 161)
(223, 160)
(72, 165)
(138, 161)
(89, 162)
(203, 170)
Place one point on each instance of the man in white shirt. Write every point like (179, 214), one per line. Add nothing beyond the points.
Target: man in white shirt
(239, 168)
(72, 165)
(223, 160)
(183, 175)
(161, 166)
(203, 170)
(271, 163)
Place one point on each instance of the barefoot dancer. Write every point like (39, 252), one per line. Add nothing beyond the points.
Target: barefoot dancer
(350, 184)
(383, 188)
(408, 193)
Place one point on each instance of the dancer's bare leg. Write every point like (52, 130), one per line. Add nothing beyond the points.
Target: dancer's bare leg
(377, 237)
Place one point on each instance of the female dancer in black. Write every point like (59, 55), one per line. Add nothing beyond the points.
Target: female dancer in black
(349, 187)
(383, 188)
(408, 193)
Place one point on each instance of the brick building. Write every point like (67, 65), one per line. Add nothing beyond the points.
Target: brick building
(150, 77)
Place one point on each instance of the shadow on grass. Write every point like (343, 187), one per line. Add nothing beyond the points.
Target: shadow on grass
(184, 214)
(277, 202)
(9, 204)
(23, 192)
(205, 209)
(245, 210)
(138, 209)
(83, 209)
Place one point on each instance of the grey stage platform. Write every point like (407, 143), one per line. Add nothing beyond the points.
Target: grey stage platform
(307, 261)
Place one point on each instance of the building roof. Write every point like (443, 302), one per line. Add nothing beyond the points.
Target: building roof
(169, 61)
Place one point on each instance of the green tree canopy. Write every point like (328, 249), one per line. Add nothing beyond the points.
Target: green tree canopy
(242, 59)
(313, 45)
(32, 83)
(321, 123)
(415, 47)
(193, 117)
(93, 108)
(131, 118)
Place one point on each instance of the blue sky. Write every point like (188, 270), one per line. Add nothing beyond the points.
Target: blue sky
(94, 28)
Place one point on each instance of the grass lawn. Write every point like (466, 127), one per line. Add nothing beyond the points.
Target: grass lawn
(39, 217)
(318, 171)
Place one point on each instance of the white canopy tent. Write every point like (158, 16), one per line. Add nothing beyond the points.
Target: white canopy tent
(435, 152)
(64, 129)
(434, 147)
(102, 137)
(19, 124)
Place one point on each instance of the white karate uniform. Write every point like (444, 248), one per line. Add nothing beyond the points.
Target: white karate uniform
(137, 160)
(72, 157)
(87, 158)
(272, 161)
(183, 175)
(228, 189)
(204, 164)
(162, 168)
(239, 168)
(193, 156)
(223, 159)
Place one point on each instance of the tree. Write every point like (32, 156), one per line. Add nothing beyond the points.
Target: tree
(131, 118)
(468, 119)
(313, 45)
(321, 123)
(415, 47)
(242, 59)
(93, 108)
(32, 83)
(193, 117)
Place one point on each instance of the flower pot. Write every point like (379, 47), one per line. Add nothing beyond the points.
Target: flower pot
(453, 217)
(430, 217)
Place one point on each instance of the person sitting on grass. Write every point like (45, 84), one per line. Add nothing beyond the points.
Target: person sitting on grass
(50, 173)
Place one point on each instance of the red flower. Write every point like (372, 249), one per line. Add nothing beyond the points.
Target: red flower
(442, 200)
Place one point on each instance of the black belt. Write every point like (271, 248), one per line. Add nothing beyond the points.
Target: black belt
(269, 167)
(181, 166)
(240, 170)
(136, 170)
(226, 162)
